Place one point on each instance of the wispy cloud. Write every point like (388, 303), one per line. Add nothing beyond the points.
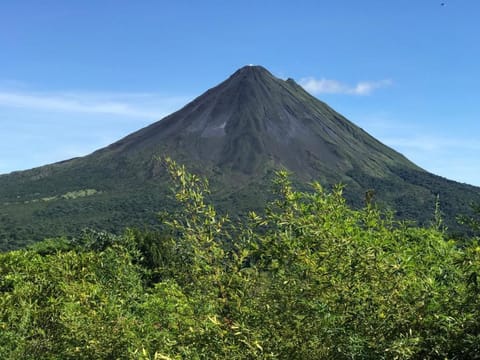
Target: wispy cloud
(433, 143)
(453, 158)
(141, 105)
(328, 86)
(451, 154)
(39, 127)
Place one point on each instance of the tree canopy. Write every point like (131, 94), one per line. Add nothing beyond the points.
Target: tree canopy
(311, 278)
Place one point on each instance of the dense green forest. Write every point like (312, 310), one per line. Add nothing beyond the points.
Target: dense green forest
(309, 278)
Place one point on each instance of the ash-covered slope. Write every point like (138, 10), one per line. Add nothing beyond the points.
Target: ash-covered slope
(253, 119)
(236, 134)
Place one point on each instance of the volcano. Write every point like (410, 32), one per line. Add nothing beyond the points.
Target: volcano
(253, 120)
(236, 134)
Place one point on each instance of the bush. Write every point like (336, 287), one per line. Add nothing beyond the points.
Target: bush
(310, 278)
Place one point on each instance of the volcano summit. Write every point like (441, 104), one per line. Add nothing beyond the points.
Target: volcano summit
(236, 134)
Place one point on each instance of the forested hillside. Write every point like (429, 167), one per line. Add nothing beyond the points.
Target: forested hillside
(311, 278)
(237, 134)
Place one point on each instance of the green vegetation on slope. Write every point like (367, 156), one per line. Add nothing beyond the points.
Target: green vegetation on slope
(310, 279)
(236, 134)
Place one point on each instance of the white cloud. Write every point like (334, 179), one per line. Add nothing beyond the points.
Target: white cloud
(328, 86)
(451, 157)
(451, 154)
(39, 127)
(432, 143)
(142, 105)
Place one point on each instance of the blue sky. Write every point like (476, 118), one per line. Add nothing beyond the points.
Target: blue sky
(78, 75)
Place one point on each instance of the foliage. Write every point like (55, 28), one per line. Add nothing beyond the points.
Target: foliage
(310, 278)
(473, 220)
(110, 194)
(67, 305)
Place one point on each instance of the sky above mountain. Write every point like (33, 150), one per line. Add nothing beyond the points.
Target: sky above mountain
(76, 76)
